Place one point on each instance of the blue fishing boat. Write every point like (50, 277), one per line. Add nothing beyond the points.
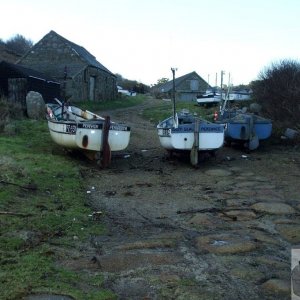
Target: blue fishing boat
(244, 127)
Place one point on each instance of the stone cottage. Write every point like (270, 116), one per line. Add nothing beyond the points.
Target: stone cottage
(81, 76)
(187, 87)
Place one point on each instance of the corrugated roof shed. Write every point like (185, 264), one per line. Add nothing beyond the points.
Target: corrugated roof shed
(9, 70)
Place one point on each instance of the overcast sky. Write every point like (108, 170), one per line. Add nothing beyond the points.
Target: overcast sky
(143, 39)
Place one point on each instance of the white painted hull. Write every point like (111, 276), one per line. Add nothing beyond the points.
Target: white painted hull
(209, 100)
(179, 133)
(185, 141)
(73, 135)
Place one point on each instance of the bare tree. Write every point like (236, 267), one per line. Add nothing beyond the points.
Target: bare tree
(19, 44)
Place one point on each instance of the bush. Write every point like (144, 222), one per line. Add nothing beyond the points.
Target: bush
(278, 92)
(9, 111)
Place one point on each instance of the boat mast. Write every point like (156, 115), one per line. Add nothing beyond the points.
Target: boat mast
(226, 97)
(174, 106)
(222, 74)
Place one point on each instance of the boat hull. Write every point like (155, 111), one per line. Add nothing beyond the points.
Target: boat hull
(211, 136)
(240, 131)
(88, 135)
(245, 126)
(208, 100)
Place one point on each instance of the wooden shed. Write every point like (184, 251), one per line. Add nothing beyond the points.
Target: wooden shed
(81, 76)
(187, 87)
(16, 81)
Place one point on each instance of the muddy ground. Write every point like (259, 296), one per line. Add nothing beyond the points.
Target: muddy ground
(223, 230)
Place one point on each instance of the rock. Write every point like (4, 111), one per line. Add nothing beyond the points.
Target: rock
(260, 178)
(226, 243)
(218, 172)
(147, 245)
(267, 194)
(289, 232)
(248, 174)
(262, 237)
(169, 278)
(201, 219)
(122, 261)
(35, 105)
(246, 184)
(247, 273)
(184, 293)
(255, 107)
(235, 169)
(277, 286)
(286, 221)
(273, 262)
(236, 203)
(268, 188)
(291, 133)
(246, 193)
(224, 183)
(132, 288)
(273, 208)
(241, 215)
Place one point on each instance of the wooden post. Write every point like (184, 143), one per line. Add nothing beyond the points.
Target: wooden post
(195, 148)
(106, 153)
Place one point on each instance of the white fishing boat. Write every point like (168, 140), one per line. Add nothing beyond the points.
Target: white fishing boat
(74, 128)
(209, 98)
(186, 132)
(179, 133)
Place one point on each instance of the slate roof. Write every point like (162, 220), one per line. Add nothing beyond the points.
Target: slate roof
(54, 64)
(168, 86)
(17, 71)
(83, 53)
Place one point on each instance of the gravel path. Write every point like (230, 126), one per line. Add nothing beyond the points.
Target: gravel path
(221, 231)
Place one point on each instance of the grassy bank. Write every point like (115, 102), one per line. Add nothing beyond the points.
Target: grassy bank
(165, 109)
(43, 216)
(122, 102)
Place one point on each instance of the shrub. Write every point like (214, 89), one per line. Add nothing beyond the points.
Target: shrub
(9, 111)
(278, 91)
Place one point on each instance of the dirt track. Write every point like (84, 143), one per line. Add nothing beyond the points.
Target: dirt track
(221, 231)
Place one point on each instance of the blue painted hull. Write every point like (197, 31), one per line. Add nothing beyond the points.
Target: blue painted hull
(240, 131)
(244, 126)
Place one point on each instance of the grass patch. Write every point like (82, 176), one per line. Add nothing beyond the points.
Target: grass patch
(165, 109)
(44, 196)
(122, 102)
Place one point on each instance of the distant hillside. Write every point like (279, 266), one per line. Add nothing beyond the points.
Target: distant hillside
(8, 55)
